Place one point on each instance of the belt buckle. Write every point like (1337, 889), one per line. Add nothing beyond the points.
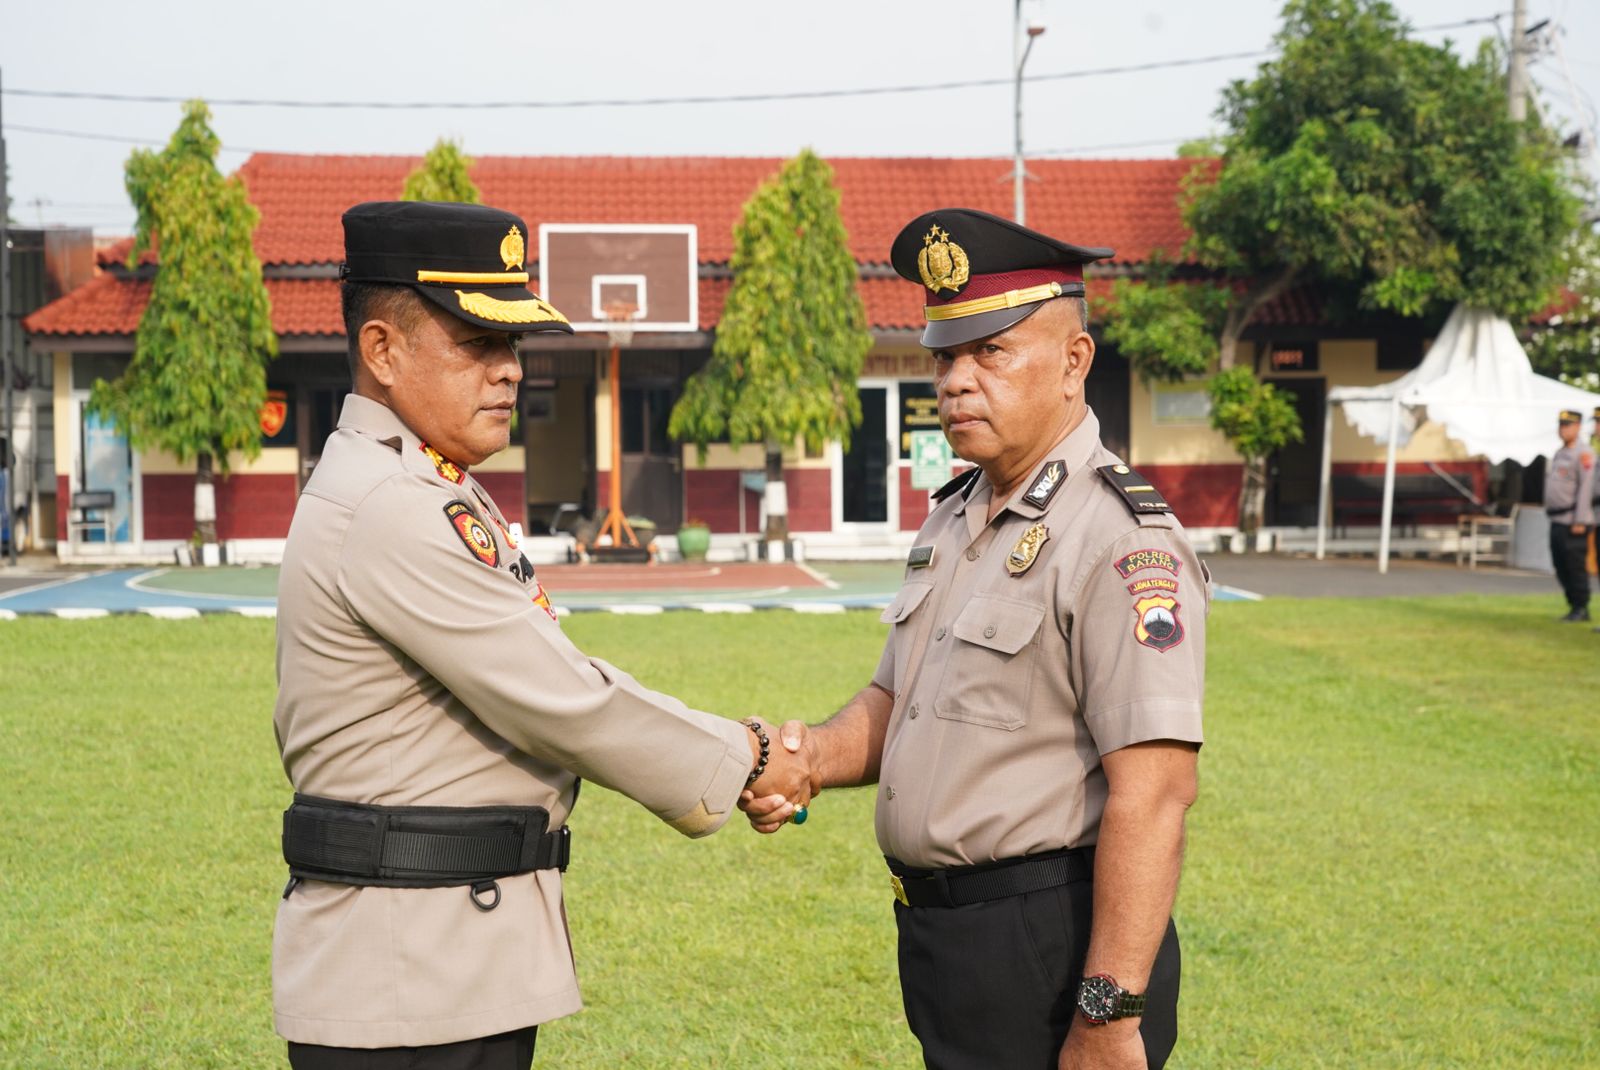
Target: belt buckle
(899, 889)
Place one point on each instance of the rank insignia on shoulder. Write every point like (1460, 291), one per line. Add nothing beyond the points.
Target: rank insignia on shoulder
(473, 533)
(1134, 489)
(446, 468)
(1026, 551)
(920, 557)
(1044, 488)
(1156, 623)
(958, 485)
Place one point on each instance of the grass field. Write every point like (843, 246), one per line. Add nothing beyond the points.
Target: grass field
(1394, 861)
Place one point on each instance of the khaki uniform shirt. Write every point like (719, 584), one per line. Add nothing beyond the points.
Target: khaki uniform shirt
(419, 663)
(1008, 688)
(1569, 485)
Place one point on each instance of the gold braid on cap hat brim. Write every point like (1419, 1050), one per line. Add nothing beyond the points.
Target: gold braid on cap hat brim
(1010, 299)
(533, 310)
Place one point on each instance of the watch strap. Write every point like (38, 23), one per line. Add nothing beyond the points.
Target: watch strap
(1130, 1005)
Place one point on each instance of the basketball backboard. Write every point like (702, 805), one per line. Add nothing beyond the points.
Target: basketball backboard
(586, 267)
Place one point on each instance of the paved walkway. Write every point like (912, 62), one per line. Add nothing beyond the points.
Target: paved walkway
(38, 587)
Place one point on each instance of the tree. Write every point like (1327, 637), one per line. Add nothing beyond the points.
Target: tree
(793, 333)
(442, 176)
(1384, 169)
(1566, 343)
(198, 377)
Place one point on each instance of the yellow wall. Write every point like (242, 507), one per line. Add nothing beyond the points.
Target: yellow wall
(1343, 362)
(275, 460)
(66, 426)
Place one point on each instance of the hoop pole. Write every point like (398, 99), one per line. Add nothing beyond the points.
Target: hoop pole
(616, 524)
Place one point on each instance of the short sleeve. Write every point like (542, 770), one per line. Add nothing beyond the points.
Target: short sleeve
(1137, 634)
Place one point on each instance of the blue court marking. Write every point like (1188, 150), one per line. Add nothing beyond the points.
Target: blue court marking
(110, 591)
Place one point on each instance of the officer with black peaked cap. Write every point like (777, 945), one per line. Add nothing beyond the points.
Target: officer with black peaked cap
(431, 714)
(1034, 722)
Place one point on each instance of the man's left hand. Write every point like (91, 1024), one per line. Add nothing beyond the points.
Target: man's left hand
(1113, 1046)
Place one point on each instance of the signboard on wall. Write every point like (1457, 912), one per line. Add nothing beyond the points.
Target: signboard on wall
(919, 411)
(930, 460)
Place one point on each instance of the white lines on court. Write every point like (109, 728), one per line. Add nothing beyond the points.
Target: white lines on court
(621, 609)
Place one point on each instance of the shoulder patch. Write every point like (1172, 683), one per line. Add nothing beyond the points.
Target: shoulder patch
(958, 485)
(1134, 489)
(472, 532)
(1140, 560)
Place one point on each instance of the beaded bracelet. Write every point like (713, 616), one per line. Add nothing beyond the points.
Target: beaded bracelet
(766, 745)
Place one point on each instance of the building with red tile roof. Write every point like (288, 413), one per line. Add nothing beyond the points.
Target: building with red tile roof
(1132, 206)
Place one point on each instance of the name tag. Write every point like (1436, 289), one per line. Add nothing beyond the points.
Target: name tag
(921, 557)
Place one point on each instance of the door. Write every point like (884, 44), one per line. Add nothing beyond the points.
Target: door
(317, 417)
(865, 468)
(106, 463)
(1294, 473)
(652, 471)
(1107, 392)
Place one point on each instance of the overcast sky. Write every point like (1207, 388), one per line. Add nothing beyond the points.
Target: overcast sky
(544, 50)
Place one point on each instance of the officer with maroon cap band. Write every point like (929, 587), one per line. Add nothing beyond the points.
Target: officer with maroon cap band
(1034, 722)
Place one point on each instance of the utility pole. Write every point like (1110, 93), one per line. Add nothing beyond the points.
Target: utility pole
(1517, 76)
(9, 479)
(1024, 30)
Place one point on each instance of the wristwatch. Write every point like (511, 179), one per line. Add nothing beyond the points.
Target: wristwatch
(1102, 1000)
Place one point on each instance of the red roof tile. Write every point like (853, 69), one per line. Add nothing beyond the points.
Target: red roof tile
(1130, 205)
(108, 305)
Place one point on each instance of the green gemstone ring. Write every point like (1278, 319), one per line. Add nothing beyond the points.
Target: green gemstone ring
(800, 816)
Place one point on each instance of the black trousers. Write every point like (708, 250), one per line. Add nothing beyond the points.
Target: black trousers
(1569, 553)
(995, 984)
(505, 1051)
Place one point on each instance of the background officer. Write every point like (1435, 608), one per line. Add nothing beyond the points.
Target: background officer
(431, 714)
(1034, 722)
(1568, 493)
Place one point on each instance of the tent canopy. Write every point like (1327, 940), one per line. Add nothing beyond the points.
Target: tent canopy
(1477, 383)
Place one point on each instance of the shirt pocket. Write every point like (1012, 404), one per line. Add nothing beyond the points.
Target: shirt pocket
(899, 614)
(989, 678)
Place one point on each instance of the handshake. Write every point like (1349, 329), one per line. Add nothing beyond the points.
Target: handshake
(790, 767)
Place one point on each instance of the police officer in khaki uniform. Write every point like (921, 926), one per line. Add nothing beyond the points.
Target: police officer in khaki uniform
(1034, 722)
(432, 717)
(1568, 494)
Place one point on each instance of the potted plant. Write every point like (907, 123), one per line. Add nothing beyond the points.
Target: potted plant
(694, 539)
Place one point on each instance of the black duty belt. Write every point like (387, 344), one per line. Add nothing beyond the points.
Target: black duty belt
(960, 886)
(419, 846)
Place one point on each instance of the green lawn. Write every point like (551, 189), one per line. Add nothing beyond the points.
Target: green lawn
(1394, 862)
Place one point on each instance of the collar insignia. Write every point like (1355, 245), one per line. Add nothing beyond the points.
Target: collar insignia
(1044, 488)
(1026, 551)
(513, 249)
(446, 468)
(942, 263)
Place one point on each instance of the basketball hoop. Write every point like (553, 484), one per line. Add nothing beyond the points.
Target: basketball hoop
(620, 315)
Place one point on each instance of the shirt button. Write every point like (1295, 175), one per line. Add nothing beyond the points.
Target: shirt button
(988, 631)
(972, 553)
(938, 636)
(889, 792)
(914, 711)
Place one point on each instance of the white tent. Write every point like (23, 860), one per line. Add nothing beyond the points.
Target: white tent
(1477, 383)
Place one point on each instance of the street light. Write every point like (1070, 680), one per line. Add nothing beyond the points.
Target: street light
(1028, 24)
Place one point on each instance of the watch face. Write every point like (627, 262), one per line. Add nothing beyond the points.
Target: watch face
(1098, 998)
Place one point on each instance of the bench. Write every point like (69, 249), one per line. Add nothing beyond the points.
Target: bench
(1416, 494)
(91, 511)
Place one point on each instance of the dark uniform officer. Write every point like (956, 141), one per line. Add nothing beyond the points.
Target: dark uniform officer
(1038, 639)
(432, 716)
(1568, 502)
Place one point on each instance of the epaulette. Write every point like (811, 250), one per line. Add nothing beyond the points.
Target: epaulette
(1135, 490)
(957, 485)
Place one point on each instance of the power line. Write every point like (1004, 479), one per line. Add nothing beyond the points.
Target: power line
(640, 102)
(85, 135)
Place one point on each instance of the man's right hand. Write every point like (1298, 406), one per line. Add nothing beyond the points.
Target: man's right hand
(767, 803)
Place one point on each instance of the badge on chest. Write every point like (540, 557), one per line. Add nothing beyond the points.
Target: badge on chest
(1026, 551)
